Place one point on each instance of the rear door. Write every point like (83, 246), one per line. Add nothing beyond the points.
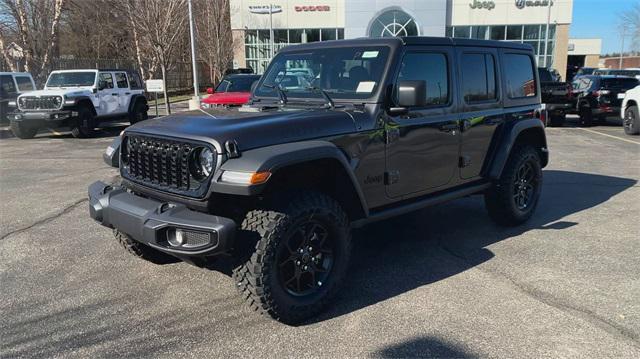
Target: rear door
(423, 144)
(107, 95)
(124, 93)
(480, 104)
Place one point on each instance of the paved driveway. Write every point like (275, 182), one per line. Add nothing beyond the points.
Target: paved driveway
(443, 281)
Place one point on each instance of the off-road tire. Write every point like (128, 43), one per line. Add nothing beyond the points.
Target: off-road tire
(142, 251)
(499, 199)
(23, 131)
(266, 231)
(84, 124)
(556, 120)
(586, 116)
(631, 122)
(138, 113)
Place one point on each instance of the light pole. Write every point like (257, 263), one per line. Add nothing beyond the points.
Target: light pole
(194, 103)
(624, 32)
(546, 33)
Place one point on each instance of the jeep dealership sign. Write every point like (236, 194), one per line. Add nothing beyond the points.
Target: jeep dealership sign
(521, 4)
(265, 9)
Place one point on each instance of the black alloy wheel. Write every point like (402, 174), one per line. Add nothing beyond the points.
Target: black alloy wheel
(524, 186)
(306, 259)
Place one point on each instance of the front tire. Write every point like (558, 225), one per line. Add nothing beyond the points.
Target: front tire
(140, 250)
(586, 116)
(513, 199)
(299, 260)
(84, 125)
(631, 122)
(23, 131)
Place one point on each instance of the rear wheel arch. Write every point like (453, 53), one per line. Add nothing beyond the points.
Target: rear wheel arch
(527, 132)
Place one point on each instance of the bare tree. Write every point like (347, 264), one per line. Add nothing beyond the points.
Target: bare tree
(34, 25)
(629, 25)
(214, 37)
(160, 29)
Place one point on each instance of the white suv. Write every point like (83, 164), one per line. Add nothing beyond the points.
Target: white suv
(629, 111)
(80, 99)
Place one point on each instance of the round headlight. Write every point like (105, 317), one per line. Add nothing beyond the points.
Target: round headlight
(206, 161)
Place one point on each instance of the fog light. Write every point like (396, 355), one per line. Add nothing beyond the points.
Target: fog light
(176, 238)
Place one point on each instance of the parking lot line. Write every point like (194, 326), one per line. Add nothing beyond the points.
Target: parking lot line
(604, 134)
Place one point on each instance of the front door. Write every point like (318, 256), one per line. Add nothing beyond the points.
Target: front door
(423, 144)
(480, 105)
(107, 94)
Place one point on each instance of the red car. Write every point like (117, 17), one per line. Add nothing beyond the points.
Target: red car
(233, 90)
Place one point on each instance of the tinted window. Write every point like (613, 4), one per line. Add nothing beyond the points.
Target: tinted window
(121, 80)
(237, 84)
(7, 85)
(107, 79)
(518, 72)
(431, 68)
(24, 83)
(479, 77)
(619, 83)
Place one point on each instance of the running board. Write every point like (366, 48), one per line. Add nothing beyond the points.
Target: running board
(420, 204)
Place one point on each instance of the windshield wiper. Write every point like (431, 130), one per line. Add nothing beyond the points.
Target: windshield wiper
(324, 94)
(281, 93)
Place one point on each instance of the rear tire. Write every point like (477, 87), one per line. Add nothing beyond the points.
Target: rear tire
(299, 257)
(142, 251)
(139, 113)
(586, 116)
(513, 198)
(631, 122)
(84, 125)
(23, 131)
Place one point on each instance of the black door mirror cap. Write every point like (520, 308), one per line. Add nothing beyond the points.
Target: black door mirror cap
(412, 93)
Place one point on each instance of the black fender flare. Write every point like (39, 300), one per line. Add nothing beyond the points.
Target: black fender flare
(80, 101)
(510, 135)
(134, 99)
(276, 157)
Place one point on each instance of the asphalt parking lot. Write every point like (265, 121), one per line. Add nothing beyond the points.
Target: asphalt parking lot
(441, 282)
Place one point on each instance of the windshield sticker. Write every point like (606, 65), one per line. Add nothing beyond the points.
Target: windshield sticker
(370, 54)
(365, 86)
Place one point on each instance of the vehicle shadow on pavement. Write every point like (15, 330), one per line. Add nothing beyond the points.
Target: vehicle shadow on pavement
(423, 347)
(407, 252)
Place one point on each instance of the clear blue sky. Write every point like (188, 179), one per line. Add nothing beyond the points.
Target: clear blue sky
(598, 18)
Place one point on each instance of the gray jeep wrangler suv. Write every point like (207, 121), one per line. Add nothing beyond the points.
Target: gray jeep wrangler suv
(338, 134)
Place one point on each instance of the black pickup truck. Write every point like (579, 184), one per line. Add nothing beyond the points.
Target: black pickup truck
(383, 127)
(557, 96)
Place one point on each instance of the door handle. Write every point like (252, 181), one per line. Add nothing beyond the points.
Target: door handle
(449, 127)
(114, 94)
(127, 93)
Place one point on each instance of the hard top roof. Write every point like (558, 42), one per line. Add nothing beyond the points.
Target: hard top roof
(408, 40)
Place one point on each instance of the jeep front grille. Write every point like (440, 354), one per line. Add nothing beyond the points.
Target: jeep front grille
(161, 163)
(40, 103)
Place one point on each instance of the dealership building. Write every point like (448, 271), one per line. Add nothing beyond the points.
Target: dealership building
(300, 21)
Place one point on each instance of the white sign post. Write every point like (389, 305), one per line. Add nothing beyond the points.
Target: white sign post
(155, 86)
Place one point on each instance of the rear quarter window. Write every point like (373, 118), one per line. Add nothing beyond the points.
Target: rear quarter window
(519, 76)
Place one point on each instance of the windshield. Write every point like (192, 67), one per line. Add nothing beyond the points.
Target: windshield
(236, 84)
(348, 72)
(69, 79)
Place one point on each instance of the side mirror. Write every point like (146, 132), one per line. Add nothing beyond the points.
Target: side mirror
(210, 90)
(412, 93)
(102, 85)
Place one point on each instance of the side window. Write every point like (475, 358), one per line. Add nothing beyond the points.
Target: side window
(121, 80)
(429, 67)
(479, 77)
(134, 81)
(6, 84)
(518, 70)
(107, 79)
(24, 84)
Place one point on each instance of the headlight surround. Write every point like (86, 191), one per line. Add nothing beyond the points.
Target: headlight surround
(204, 162)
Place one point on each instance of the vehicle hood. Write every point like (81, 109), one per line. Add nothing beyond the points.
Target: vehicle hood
(68, 92)
(228, 98)
(251, 129)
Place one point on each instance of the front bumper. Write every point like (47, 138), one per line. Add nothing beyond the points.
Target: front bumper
(152, 222)
(42, 117)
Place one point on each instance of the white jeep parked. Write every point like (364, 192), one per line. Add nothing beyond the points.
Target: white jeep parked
(629, 111)
(81, 100)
